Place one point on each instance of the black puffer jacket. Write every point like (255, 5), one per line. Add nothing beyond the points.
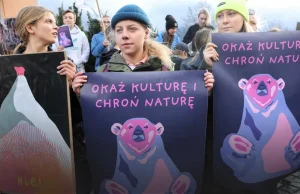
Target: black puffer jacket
(190, 34)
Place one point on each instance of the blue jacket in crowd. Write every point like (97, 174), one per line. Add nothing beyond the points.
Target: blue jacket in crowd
(98, 48)
(160, 38)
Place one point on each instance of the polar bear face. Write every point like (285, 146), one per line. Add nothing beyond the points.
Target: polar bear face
(138, 134)
(261, 89)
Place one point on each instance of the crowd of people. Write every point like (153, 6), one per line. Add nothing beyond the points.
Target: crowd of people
(125, 44)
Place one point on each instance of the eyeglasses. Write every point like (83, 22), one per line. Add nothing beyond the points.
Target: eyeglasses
(107, 22)
(251, 12)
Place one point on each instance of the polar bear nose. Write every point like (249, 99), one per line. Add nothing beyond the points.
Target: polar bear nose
(138, 134)
(262, 89)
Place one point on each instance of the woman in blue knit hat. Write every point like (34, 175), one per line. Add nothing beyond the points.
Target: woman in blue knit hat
(137, 51)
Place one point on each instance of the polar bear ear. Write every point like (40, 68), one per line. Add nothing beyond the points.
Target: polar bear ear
(243, 83)
(159, 129)
(116, 128)
(280, 83)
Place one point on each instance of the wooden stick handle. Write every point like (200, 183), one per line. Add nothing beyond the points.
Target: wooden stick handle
(103, 26)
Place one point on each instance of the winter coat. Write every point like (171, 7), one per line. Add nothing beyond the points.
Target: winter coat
(190, 34)
(118, 64)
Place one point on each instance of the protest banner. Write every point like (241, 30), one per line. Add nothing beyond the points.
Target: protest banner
(256, 114)
(35, 128)
(145, 132)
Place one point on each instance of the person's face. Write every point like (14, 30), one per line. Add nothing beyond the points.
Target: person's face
(253, 22)
(69, 19)
(202, 20)
(130, 36)
(106, 22)
(172, 31)
(229, 21)
(45, 30)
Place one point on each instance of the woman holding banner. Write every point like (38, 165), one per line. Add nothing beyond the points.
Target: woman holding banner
(232, 16)
(137, 52)
(36, 26)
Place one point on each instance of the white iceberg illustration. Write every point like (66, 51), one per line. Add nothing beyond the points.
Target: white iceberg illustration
(34, 157)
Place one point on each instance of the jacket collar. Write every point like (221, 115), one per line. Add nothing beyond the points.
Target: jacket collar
(117, 63)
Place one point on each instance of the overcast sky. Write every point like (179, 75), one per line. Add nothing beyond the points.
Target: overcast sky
(287, 12)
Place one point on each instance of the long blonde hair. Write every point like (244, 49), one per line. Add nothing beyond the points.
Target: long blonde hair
(205, 12)
(247, 27)
(28, 16)
(159, 50)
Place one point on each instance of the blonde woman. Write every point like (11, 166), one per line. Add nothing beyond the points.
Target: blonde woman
(137, 51)
(36, 26)
(204, 20)
(37, 29)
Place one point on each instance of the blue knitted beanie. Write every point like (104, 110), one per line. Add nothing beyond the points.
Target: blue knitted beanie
(130, 12)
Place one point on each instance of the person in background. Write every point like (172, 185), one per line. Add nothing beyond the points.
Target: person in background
(253, 20)
(106, 56)
(169, 37)
(80, 51)
(100, 44)
(202, 37)
(204, 20)
(180, 53)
